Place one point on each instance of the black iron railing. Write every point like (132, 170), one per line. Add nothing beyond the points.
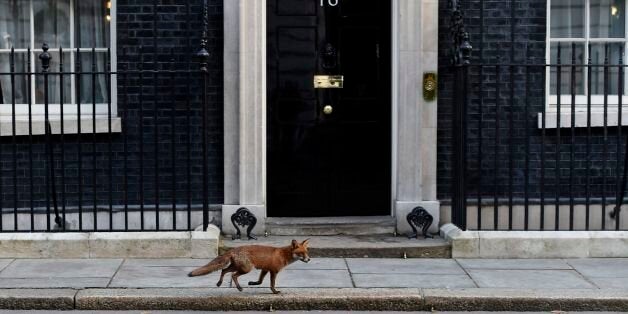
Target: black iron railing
(132, 160)
(539, 146)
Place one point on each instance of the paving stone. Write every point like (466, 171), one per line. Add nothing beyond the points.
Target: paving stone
(55, 283)
(513, 264)
(412, 281)
(601, 267)
(320, 263)
(430, 266)
(303, 279)
(55, 268)
(182, 262)
(163, 277)
(610, 283)
(529, 279)
(4, 263)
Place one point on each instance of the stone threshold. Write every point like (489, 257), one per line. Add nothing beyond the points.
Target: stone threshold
(342, 299)
(181, 244)
(356, 246)
(535, 244)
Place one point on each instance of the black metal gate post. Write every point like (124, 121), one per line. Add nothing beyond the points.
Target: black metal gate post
(50, 180)
(461, 52)
(203, 58)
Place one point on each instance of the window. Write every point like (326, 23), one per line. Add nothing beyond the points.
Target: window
(600, 24)
(66, 24)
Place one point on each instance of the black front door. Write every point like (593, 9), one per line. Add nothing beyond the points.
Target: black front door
(329, 148)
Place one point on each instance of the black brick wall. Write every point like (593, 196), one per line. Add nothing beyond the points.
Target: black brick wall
(135, 28)
(495, 47)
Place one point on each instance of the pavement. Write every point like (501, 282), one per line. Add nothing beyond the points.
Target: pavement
(323, 284)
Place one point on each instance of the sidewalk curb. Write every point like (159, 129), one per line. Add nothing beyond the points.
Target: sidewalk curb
(535, 244)
(37, 299)
(398, 299)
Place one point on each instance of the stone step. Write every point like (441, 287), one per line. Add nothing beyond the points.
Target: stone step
(329, 226)
(356, 246)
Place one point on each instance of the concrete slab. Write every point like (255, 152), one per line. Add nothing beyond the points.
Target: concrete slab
(303, 279)
(163, 277)
(55, 283)
(404, 266)
(140, 244)
(412, 281)
(357, 246)
(37, 299)
(610, 283)
(58, 268)
(44, 245)
(529, 279)
(4, 263)
(204, 244)
(601, 267)
(513, 263)
(320, 263)
(178, 262)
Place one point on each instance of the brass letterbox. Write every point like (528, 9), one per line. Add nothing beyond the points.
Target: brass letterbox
(328, 81)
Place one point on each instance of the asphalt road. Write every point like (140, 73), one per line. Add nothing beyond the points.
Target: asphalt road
(275, 312)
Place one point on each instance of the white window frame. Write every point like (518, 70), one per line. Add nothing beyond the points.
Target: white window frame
(597, 101)
(70, 112)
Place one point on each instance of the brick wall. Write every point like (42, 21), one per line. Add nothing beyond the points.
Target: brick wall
(178, 37)
(495, 46)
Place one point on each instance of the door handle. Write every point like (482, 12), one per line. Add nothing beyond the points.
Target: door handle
(328, 109)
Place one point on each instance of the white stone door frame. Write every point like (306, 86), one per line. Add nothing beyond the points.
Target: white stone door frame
(415, 51)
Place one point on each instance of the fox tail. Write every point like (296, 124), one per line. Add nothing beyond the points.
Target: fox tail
(217, 263)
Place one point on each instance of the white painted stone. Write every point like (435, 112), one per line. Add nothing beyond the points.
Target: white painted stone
(463, 244)
(44, 245)
(536, 244)
(70, 125)
(205, 243)
(409, 17)
(597, 119)
(414, 176)
(608, 244)
(428, 163)
(258, 210)
(429, 27)
(532, 244)
(139, 244)
(402, 210)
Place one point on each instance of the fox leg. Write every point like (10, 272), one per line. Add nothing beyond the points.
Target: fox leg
(261, 278)
(229, 269)
(235, 276)
(273, 276)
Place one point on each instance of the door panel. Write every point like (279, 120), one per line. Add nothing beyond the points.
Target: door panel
(338, 163)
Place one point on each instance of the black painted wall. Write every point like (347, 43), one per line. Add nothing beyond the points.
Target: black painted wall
(178, 33)
(492, 43)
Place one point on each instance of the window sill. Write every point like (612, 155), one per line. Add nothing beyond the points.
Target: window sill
(70, 126)
(597, 119)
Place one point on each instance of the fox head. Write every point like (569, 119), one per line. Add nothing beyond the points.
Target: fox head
(299, 251)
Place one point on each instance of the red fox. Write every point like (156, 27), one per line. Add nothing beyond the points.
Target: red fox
(241, 260)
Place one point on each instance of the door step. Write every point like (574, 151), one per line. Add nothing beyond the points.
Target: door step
(328, 226)
(373, 246)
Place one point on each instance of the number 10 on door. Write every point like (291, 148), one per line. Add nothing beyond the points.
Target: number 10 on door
(331, 3)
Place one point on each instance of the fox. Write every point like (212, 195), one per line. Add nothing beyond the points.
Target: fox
(268, 259)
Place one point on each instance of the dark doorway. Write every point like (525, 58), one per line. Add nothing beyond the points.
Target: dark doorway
(329, 148)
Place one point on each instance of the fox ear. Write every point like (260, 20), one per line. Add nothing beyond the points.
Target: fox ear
(295, 244)
(305, 242)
